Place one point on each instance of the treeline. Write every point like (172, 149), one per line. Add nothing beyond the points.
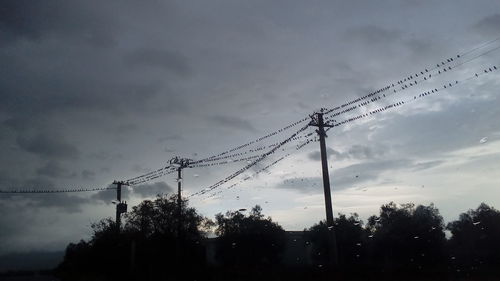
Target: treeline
(403, 242)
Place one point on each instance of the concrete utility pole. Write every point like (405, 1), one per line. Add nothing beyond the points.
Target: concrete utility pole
(179, 199)
(182, 163)
(121, 207)
(317, 121)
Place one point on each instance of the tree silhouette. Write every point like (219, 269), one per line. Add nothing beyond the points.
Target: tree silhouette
(407, 239)
(475, 243)
(249, 240)
(351, 242)
(149, 247)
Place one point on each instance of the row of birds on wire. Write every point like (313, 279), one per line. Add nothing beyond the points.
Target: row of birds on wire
(374, 111)
(375, 96)
(228, 156)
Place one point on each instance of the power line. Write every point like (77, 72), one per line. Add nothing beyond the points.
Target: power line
(56, 190)
(405, 83)
(240, 171)
(355, 118)
(378, 96)
(413, 79)
(414, 98)
(256, 140)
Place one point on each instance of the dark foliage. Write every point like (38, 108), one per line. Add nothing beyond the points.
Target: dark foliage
(404, 242)
(475, 242)
(407, 240)
(351, 242)
(249, 241)
(151, 246)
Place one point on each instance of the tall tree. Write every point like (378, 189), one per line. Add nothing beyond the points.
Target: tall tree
(249, 240)
(475, 243)
(351, 241)
(408, 239)
(149, 247)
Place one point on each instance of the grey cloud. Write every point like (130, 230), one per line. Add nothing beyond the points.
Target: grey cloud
(316, 155)
(232, 122)
(53, 169)
(489, 25)
(159, 58)
(371, 34)
(359, 152)
(427, 165)
(107, 196)
(51, 146)
(106, 155)
(150, 190)
(170, 138)
(88, 175)
(347, 177)
(68, 202)
(460, 125)
(64, 201)
(139, 169)
(35, 20)
(364, 152)
(357, 174)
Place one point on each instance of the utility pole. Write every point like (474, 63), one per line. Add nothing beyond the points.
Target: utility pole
(179, 200)
(121, 207)
(182, 163)
(317, 121)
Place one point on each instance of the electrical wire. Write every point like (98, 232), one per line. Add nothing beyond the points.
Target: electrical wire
(412, 79)
(56, 190)
(248, 166)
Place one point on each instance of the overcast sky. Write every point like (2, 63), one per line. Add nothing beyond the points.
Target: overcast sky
(96, 91)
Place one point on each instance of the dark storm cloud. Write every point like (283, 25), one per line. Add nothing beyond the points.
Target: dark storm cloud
(53, 169)
(48, 146)
(11, 224)
(35, 20)
(167, 60)
(151, 190)
(232, 122)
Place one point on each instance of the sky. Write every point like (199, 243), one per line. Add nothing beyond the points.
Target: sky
(93, 91)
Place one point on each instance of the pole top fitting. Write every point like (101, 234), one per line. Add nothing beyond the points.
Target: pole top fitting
(120, 182)
(181, 162)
